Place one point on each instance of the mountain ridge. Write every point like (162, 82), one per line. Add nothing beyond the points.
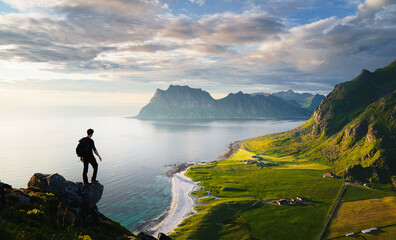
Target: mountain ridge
(185, 102)
(353, 129)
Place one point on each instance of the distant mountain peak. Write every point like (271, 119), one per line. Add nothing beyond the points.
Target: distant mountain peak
(365, 72)
(185, 102)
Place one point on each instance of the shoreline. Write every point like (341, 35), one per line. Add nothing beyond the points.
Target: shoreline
(232, 148)
(181, 207)
(182, 204)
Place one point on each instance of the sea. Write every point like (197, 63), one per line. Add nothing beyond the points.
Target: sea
(136, 153)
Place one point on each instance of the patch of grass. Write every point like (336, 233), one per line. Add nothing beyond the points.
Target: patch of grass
(199, 194)
(358, 192)
(359, 215)
(383, 233)
(265, 183)
(218, 219)
(285, 222)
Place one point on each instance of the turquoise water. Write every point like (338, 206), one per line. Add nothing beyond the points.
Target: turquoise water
(135, 153)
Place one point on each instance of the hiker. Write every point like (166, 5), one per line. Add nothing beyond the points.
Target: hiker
(84, 151)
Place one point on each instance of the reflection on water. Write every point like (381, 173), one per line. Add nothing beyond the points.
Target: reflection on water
(134, 152)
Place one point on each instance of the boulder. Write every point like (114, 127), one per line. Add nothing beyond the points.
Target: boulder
(162, 236)
(2, 193)
(145, 236)
(80, 199)
(2, 196)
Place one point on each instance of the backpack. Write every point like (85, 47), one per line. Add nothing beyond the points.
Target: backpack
(82, 149)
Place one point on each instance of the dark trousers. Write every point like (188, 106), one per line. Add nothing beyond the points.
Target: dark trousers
(92, 161)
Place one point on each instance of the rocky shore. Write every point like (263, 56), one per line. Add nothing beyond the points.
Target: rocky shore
(232, 147)
(176, 168)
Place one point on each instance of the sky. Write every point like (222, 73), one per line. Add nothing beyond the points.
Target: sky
(92, 52)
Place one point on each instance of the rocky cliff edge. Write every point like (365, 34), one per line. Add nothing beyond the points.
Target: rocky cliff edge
(54, 208)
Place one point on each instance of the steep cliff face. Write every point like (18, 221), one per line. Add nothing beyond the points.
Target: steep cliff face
(371, 138)
(358, 118)
(350, 99)
(179, 101)
(186, 102)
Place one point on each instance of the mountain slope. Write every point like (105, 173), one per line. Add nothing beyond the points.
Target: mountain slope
(186, 102)
(305, 100)
(353, 129)
(310, 103)
(350, 99)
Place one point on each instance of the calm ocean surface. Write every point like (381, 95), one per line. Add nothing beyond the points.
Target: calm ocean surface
(135, 153)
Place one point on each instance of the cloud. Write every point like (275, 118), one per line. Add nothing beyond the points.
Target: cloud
(198, 2)
(370, 7)
(227, 28)
(333, 44)
(238, 29)
(143, 42)
(180, 29)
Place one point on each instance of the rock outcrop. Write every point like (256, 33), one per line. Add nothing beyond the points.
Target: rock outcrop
(2, 193)
(80, 199)
(54, 208)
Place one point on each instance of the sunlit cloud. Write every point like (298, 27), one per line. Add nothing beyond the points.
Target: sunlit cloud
(137, 46)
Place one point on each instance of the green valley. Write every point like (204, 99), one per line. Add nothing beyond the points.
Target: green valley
(350, 137)
(238, 207)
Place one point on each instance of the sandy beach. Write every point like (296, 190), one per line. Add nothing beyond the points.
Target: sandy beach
(181, 206)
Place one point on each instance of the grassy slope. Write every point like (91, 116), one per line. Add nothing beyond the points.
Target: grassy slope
(45, 218)
(241, 211)
(339, 150)
(354, 125)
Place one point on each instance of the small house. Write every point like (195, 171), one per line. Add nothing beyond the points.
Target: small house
(328, 175)
(301, 199)
(369, 230)
(282, 202)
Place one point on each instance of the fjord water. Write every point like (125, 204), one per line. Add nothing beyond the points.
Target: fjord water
(135, 153)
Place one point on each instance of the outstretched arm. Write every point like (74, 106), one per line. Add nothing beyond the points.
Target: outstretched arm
(97, 154)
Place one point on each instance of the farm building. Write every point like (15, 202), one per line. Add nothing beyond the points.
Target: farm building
(369, 230)
(301, 199)
(328, 175)
(282, 202)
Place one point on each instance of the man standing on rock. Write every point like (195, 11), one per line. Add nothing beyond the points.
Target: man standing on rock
(85, 150)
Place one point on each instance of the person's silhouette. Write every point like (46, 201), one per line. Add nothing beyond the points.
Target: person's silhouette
(89, 158)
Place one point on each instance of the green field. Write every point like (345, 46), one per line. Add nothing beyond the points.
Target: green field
(364, 208)
(358, 192)
(355, 216)
(241, 210)
(383, 233)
